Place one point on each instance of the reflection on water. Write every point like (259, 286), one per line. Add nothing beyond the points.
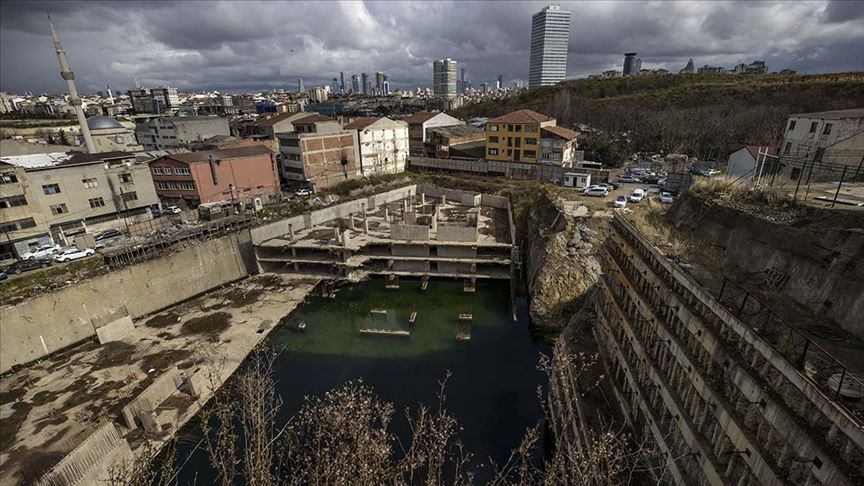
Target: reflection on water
(492, 390)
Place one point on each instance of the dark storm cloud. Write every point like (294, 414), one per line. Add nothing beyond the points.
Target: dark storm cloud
(261, 45)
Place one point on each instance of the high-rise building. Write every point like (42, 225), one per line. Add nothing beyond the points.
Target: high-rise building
(637, 68)
(460, 86)
(386, 88)
(355, 84)
(630, 64)
(335, 86)
(342, 82)
(499, 84)
(444, 78)
(550, 33)
(364, 78)
(300, 87)
(380, 77)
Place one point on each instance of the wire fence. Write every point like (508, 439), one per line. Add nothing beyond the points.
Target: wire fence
(823, 369)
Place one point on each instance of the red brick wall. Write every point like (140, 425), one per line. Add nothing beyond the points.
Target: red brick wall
(322, 157)
(250, 176)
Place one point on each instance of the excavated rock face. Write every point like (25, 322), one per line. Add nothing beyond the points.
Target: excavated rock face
(562, 241)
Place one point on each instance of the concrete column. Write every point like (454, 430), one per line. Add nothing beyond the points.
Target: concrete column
(291, 231)
(435, 221)
(366, 225)
(336, 235)
(363, 207)
(293, 251)
(423, 198)
(345, 237)
(386, 215)
(405, 205)
(351, 221)
(443, 199)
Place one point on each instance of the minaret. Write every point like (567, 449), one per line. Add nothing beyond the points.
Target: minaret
(110, 95)
(67, 74)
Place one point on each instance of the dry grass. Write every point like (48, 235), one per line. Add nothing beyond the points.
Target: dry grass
(733, 190)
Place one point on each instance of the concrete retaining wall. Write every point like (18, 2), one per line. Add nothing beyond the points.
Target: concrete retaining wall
(410, 250)
(115, 330)
(89, 462)
(448, 232)
(457, 251)
(161, 388)
(411, 232)
(40, 326)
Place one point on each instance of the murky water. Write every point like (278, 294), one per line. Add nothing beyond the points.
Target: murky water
(492, 390)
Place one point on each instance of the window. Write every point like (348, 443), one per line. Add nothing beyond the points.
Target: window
(51, 189)
(787, 148)
(90, 183)
(530, 154)
(509, 128)
(130, 196)
(530, 141)
(96, 202)
(8, 178)
(163, 186)
(17, 225)
(182, 170)
(493, 128)
(493, 139)
(59, 209)
(13, 201)
(125, 177)
(813, 127)
(493, 151)
(167, 170)
(827, 130)
(158, 171)
(791, 125)
(187, 186)
(518, 142)
(531, 128)
(518, 128)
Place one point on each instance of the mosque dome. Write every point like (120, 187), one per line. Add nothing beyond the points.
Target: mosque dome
(102, 123)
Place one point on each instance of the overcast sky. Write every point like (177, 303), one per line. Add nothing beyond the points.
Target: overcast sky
(242, 46)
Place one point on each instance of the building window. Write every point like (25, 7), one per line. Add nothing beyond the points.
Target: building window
(509, 128)
(813, 127)
(187, 186)
(90, 183)
(162, 186)
(130, 196)
(96, 202)
(827, 130)
(59, 209)
(530, 154)
(17, 225)
(493, 128)
(787, 148)
(8, 178)
(518, 128)
(125, 177)
(158, 171)
(531, 128)
(530, 141)
(791, 125)
(182, 170)
(493, 139)
(51, 189)
(493, 151)
(13, 201)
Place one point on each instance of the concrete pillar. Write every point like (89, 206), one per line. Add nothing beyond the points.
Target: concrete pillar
(351, 221)
(291, 231)
(423, 198)
(345, 237)
(336, 234)
(386, 215)
(293, 251)
(405, 205)
(443, 199)
(366, 225)
(435, 221)
(363, 207)
(296, 267)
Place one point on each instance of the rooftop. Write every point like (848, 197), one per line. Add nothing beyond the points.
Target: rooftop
(231, 153)
(54, 159)
(833, 115)
(103, 123)
(562, 132)
(420, 117)
(269, 120)
(522, 116)
(458, 131)
(314, 119)
(361, 123)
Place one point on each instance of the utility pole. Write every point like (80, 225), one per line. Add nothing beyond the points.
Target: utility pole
(842, 176)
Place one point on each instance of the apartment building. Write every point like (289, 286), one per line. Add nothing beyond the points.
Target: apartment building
(456, 140)
(175, 133)
(318, 152)
(419, 123)
(189, 179)
(558, 146)
(73, 193)
(823, 143)
(550, 33)
(515, 137)
(382, 145)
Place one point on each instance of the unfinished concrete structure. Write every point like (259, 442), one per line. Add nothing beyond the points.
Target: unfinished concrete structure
(726, 401)
(415, 231)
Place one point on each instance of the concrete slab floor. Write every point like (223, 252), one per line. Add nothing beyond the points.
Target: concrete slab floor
(48, 408)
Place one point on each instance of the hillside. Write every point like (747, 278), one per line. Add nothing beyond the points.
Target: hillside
(703, 115)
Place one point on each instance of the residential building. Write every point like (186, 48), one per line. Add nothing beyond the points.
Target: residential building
(355, 84)
(266, 126)
(300, 87)
(77, 192)
(550, 34)
(382, 145)
(444, 78)
(558, 146)
(515, 137)
(826, 142)
(706, 69)
(419, 123)
(234, 174)
(173, 133)
(109, 135)
(6, 105)
(318, 94)
(22, 224)
(156, 100)
(630, 64)
(445, 141)
(318, 152)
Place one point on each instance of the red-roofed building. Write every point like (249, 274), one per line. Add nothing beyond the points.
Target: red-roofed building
(189, 179)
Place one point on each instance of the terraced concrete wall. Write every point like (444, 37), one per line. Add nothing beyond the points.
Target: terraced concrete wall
(38, 327)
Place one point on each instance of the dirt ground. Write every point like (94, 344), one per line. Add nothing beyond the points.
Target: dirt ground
(48, 408)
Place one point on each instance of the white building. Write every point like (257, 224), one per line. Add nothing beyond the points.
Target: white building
(444, 78)
(550, 33)
(822, 145)
(382, 145)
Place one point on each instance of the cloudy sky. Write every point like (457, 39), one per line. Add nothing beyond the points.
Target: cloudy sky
(237, 46)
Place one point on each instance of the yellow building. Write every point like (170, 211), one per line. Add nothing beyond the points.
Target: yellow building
(515, 137)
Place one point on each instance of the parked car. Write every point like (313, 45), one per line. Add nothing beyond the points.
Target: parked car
(172, 210)
(661, 183)
(108, 234)
(593, 186)
(666, 198)
(611, 185)
(303, 192)
(597, 191)
(29, 264)
(638, 195)
(70, 254)
(44, 251)
(629, 178)
(620, 201)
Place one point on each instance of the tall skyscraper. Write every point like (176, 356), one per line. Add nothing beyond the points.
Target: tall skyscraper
(67, 74)
(355, 84)
(460, 86)
(630, 64)
(550, 33)
(342, 82)
(300, 87)
(444, 78)
(364, 79)
(380, 77)
(499, 84)
(335, 86)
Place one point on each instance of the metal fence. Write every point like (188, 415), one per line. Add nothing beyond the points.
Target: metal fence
(826, 371)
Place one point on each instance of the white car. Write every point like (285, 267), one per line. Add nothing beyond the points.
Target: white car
(303, 192)
(620, 202)
(597, 191)
(172, 210)
(666, 198)
(70, 254)
(629, 178)
(44, 251)
(638, 195)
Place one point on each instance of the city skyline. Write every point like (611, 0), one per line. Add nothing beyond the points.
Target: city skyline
(248, 47)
